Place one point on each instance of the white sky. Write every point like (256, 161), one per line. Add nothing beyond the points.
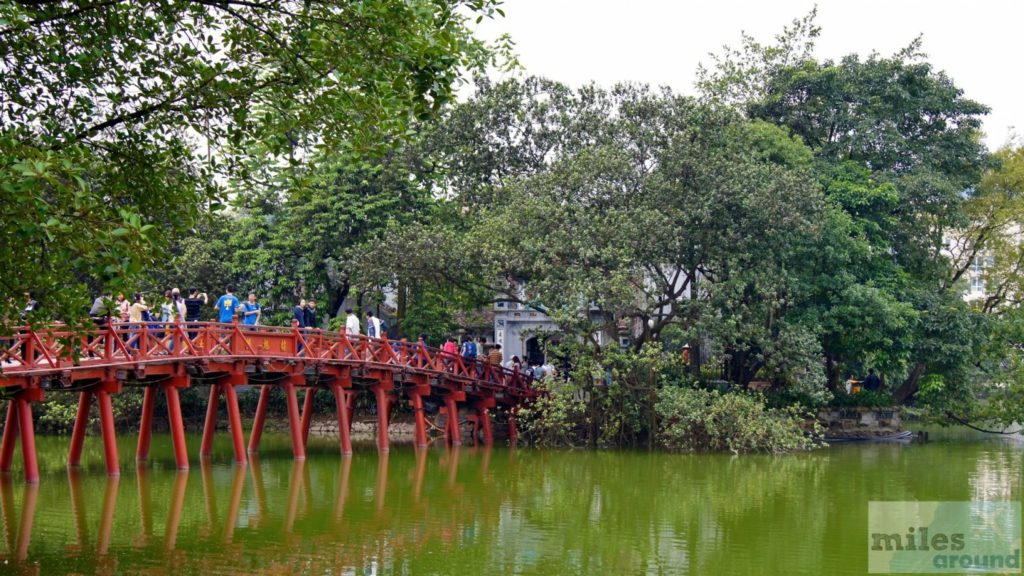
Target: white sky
(660, 42)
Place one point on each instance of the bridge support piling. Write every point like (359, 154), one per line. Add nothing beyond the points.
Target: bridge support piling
(177, 426)
(81, 423)
(484, 419)
(28, 442)
(235, 422)
(294, 422)
(453, 433)
(145, 425)
(344, 424)
(421, 424)
(261, 415)
(10, 435)
(382, 417)
(307, 413)
(109, 434)
(210, 426)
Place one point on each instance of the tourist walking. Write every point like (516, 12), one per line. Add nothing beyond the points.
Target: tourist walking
(351, 323)
(310, 314)
(251, 311)
(449, 351)
(194, 304)
(167, 310)
(372, 325)
(227, 306)
(494, 356)
(31, 306)
(137, 308)
(468, 350)
(100, 311)
(872, 382)
(180, 310)
(137, 312)
(122, 307)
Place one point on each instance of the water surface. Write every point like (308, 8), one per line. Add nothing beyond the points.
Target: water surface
(476, 511)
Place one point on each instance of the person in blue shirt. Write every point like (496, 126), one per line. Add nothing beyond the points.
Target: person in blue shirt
(251, 311)
(227, 305)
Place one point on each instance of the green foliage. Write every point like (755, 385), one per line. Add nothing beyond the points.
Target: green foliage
(631, 398)
(118, 119)
(556, 420)
(57, 414)
(695, 420)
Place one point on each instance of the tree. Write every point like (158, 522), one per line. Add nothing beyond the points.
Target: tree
(638, 209)
(119, 119)
(897, 150)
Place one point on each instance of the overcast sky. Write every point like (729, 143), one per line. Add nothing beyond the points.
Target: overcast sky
(979, 44)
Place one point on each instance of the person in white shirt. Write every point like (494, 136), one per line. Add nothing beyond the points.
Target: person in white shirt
(372, 325)
(351, 323)
(179, 304)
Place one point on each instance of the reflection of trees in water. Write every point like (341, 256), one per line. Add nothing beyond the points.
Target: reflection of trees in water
(497, 511)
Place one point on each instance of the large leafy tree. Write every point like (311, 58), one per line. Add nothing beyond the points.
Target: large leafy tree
(898, 152)
(119, 119)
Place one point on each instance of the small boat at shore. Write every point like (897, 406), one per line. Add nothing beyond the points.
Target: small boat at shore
(903, 436)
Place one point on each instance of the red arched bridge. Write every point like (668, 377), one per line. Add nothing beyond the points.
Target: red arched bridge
(172, 356)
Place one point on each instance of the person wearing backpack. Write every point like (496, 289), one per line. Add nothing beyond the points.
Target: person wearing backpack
(468, 349)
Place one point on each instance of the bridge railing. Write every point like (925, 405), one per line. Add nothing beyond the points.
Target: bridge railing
(57, 348)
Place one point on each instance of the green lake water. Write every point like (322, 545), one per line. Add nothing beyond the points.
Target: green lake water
(476, 511)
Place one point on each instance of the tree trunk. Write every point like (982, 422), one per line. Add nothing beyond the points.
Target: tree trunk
(832, 372)
(909, 386)
(401, 305)
(337, 299)
(695, 352)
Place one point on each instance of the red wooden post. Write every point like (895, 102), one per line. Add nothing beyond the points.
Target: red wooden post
(10, 436)
(298, 447)
(109, 435)
(261, 414)
(145, 425)
(28, 441)
(454, 435)
(344, 429)
(177, 425)
(485, 423)
(307, 413)
(380, 390)
(206, 447)
(421, 425)
(351, 397)
(235, 421)
(78, 432)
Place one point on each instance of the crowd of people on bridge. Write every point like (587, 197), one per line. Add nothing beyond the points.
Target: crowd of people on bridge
(110, 309)
(107, 309)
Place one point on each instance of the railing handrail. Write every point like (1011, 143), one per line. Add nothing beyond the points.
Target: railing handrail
(54, 348)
